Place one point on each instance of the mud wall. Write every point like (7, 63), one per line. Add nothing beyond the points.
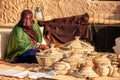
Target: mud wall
(98, 10)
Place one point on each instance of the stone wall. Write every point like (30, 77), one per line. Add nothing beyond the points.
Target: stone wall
(99, 11)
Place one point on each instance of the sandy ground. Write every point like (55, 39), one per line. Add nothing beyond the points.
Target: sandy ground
(25, 66)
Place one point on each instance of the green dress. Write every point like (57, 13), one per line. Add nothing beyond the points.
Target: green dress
(19, 41)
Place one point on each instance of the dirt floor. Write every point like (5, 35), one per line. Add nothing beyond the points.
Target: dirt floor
(25, 66)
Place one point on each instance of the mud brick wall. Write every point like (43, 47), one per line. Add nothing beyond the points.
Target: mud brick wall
(99, 10)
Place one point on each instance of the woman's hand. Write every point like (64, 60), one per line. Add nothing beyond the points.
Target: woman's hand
(41, 47)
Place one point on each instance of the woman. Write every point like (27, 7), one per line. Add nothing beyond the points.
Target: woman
(22, 42)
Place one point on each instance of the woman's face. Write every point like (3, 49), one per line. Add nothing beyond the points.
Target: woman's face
(27, 21)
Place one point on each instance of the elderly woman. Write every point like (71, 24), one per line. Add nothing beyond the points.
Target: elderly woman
(21, 46)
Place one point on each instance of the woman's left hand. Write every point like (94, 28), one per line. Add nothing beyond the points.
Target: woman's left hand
(44, 47)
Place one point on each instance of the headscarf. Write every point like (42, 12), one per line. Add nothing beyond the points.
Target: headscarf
(27, 26)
